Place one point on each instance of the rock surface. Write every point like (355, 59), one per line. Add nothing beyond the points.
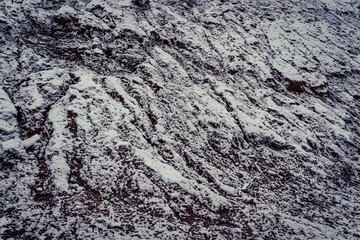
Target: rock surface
(180, 119)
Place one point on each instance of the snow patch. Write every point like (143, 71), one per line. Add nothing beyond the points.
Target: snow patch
(31, 141)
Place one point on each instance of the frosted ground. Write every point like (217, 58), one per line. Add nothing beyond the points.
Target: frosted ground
(180, 119)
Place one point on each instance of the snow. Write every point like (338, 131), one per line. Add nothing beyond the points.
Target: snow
(6, 106)
(34, 101)
(177, 120)
(31, 141)
(169, 174)
(67, 10)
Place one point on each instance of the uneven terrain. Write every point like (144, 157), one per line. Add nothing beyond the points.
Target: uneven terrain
(189, 119)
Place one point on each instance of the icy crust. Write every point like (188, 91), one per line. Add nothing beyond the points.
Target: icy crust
(179, 119)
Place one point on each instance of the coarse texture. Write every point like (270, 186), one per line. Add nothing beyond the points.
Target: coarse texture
(180, 119)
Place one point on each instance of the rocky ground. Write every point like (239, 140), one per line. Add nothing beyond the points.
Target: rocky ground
(180, 119)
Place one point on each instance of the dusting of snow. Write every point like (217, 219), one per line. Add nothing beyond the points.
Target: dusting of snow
(179, 119)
